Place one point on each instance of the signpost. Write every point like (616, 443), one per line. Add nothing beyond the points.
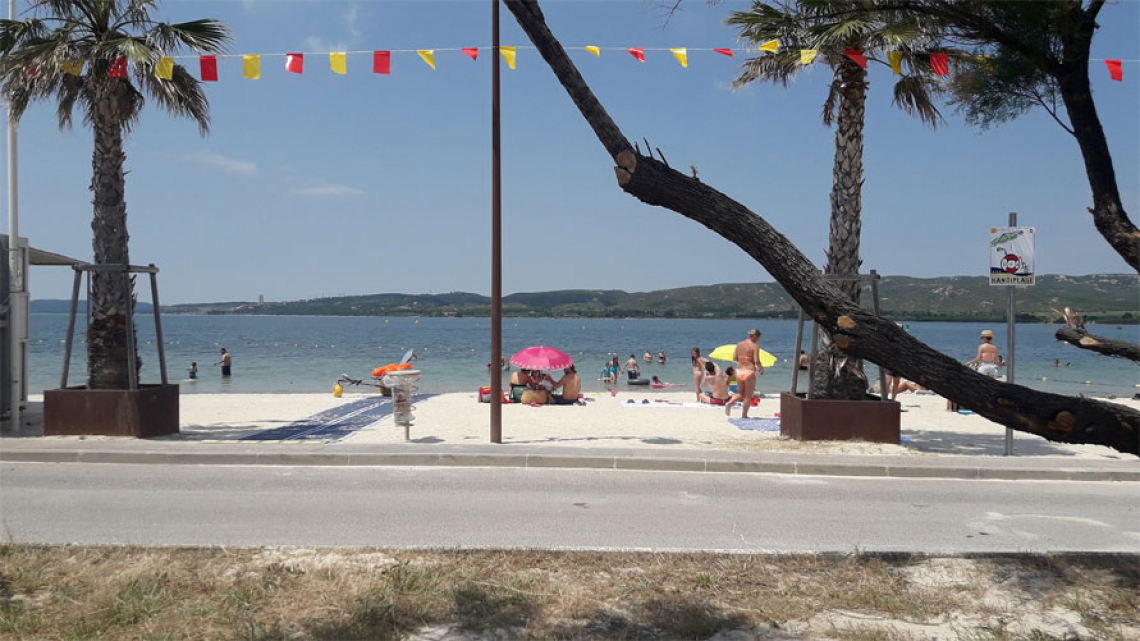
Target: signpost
(1012, 263)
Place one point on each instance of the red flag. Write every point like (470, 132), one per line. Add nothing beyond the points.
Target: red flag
(381, 62)
(857, 57)
(471, 51)
(1115, 70)
(940, 63)
(209, 68)
(118, 68)
(637, 52)
(295, 62)
(32, 70)
(727, 52)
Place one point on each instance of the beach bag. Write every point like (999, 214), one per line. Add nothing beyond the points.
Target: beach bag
(485, 395)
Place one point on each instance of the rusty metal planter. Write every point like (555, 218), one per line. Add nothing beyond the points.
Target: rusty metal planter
(151, 410)
(805, 419)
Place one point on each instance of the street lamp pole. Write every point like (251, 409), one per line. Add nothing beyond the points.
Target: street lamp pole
(15, 269)
(496, 368)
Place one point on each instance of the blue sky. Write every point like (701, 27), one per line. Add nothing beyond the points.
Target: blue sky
(324, 185)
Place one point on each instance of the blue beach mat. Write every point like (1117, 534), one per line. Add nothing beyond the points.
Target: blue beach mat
(332, 424)
(757, 424)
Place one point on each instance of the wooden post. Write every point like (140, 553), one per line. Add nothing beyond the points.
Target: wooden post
(158, 322)
(71, 328)
(796, 352)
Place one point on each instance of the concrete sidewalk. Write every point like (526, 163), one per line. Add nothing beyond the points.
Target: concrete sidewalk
(159, 452)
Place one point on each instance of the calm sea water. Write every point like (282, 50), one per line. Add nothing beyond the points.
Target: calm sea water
(307, 354)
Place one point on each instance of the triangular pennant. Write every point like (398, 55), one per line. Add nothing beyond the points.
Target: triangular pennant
(594, 50)
(295, 62)
(724, 52)
(858, 57)
(771, 45)
(251, 66)
(471, 51)
(682, 56)
(165, 68)
(428, 55)
(382, 62)
(338, 62)
(637, 52)
(940, 63)
(1115, 70)
(209, 67)
(807, 55)
(118, 68)
(508, 55)
(895, 58)
(74, 67)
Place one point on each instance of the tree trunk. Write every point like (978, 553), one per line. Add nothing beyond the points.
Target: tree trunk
(858, 332)
(110, 291)
(1099, 344)
(836, 375)
(1107, 211)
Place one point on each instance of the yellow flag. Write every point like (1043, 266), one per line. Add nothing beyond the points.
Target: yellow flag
(429, 56)
(251, 66)
(771, 45)
(74, 68)
(165, 68)
(806, 56)
(895, 58)
(594, 50)
(508, 55)
(682, 56)
(337, 62)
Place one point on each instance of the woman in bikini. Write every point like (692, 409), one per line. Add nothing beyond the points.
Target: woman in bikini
(698, 369)
(747, 357)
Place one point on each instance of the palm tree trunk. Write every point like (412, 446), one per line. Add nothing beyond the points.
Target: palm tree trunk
(107, 335)
(838, 375)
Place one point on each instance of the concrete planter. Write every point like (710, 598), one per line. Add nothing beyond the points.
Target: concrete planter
(819, 420)
(151, 410)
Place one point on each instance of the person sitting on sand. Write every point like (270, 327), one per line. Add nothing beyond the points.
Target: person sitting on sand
(718, 382)
(987, 360)
(520, 381)
(571, 385)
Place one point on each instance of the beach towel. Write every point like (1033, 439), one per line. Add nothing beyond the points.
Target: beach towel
(756, 424)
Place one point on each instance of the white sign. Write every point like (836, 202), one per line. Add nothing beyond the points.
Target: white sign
(1012, 256)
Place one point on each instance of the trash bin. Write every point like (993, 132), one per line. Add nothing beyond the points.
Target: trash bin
(403, 386)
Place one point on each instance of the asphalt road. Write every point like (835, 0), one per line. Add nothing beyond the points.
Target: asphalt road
(581, 509)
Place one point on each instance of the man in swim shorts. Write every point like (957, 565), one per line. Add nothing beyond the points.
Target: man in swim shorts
(747, 359)
(719, 384)
(226, 363)
(571, 385)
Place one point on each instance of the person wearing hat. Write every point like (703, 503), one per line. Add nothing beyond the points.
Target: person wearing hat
(987, 360)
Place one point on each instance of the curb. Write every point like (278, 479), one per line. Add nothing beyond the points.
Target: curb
(546, 461)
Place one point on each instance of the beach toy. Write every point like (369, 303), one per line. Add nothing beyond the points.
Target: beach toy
(338, 391)
(380, 372)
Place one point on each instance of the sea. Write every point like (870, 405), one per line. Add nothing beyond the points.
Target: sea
(305, 354)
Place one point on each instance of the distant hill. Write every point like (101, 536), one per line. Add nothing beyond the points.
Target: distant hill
(959, 298)
(57, 306)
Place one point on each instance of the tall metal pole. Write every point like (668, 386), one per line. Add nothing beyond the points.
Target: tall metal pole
(15, 269)
(496, 369)
(1011, 325)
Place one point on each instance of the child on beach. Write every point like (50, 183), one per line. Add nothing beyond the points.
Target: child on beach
(193, 371)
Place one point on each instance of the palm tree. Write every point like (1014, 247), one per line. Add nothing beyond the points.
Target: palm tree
(812, 25)
(70, 52)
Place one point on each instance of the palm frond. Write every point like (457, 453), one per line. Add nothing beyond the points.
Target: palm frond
(181, 95)
(913, 93)
(68, 93)
(201, 36)
(831, 104)
(779, 67)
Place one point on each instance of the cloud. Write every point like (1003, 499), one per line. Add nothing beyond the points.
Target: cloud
(230, 165)
(318, 44)
(327, 190)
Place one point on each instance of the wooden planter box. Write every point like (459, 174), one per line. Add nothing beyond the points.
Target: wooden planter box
(151, 410)
(820, 420)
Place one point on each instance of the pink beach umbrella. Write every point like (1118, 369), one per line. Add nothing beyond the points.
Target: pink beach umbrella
(542, 358)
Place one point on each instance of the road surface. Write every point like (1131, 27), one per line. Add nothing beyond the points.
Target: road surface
(555, 509)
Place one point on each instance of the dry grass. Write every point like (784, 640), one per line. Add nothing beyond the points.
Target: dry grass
(263, 594)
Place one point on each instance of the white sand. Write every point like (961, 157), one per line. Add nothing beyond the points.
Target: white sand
(608, 422)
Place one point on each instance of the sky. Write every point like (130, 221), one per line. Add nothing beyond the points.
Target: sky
(322, 185)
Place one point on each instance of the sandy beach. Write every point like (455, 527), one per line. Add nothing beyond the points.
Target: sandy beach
(668, 421)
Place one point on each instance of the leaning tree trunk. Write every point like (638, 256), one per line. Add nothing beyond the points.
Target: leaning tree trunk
(837, 375)
(858, 332)
(110, 292)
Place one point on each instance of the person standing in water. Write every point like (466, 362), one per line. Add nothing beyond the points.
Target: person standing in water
(747, 357)
(661, 356)
(193, 371)
(226, 363)
(648, 357)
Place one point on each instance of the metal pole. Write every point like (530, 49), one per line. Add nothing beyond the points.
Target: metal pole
(71, 329)
(15, 265)
(814, 353)
(496, 241)
(1011, 325)
(158, 325)
(884, 396)
(132, 348)
(796, 352)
